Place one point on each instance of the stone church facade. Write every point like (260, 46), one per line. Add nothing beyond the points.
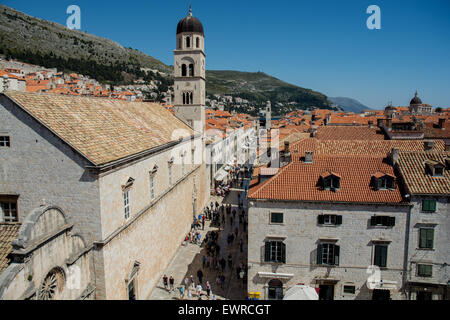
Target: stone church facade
(97, 194)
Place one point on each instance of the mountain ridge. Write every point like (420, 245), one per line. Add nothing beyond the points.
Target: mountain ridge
(37, 41)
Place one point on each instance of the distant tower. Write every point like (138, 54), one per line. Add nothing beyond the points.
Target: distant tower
(268, 115)
(189, 73)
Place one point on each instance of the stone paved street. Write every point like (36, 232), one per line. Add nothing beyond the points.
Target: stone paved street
(188, 259)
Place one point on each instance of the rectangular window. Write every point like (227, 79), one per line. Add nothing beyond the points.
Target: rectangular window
(385, 221)
(426, 238)
(275, 251)
(329, 219)
(170, 175)
(276, 217)
(126, 203)
(424, 270)
(380, 257)
(328, 254)
(349, 289)
(5, 141)
(152, 187)
(8, 209)
(131, 290)
(429, 205)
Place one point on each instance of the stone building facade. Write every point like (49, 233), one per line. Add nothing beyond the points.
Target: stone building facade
(121, 172)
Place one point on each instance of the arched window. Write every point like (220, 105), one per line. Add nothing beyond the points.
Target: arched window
(275, 290)
(184, 98)
(183, 70)
(198, 42)
(188, 42)
(191, 100)
(191, 70)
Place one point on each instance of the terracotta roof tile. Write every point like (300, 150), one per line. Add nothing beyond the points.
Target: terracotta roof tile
(8, 232)
(103, 130)
(299, 181)
(357, 147)
(349, 133)
(412, 168)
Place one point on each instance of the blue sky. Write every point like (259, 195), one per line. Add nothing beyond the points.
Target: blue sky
(322, 44)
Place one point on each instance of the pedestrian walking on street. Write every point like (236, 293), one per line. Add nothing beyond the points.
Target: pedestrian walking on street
(203, 223)
(230, 261)
(241, 245)
(171, 283)
(223, 264)
(189, 294)
(181, 292)
(199, 290)
(199, 275)
(165, 281)
(208, 289)
(186, 283)
(192, 280)
(238, 272)
(203, 261)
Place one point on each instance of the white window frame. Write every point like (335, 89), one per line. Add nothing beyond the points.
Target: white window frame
(5, 141)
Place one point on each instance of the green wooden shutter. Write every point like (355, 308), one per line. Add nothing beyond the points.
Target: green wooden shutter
(380, 258)
(319, 253)
(336, 255)
(373, 221)
(384, 256)
(422, 238)
(320, 219)
(267, 252)
(430, 238)
(392, 221)
(432, 206)
(338, 220)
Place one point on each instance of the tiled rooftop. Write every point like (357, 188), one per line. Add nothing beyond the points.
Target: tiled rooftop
(349, 133)
(103, 130)
(8, 232)
(417, 179)
(299, 181)
(357, 147)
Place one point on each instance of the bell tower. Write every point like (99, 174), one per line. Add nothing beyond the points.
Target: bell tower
(189, 73)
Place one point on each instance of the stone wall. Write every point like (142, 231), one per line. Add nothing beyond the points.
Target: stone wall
(42, 169)
(301, 233)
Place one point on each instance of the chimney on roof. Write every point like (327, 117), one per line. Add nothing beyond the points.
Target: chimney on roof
(380, 122)
(309, 157)
(394, 156)
(441, 123)
(286, 147)
(389, 123)
(429, 145)
(370, 124)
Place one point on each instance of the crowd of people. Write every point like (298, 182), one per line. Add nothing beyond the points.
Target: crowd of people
(216, 260)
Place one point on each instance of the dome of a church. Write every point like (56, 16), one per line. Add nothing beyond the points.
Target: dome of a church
(416, 100)
(190, 24)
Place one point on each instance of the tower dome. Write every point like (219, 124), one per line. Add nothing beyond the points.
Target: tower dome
(190, 24)
(415, 100)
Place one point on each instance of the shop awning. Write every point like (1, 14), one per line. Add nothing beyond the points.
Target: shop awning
(301, 292)
(275, 275)
(382, 285)
(221, 175)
